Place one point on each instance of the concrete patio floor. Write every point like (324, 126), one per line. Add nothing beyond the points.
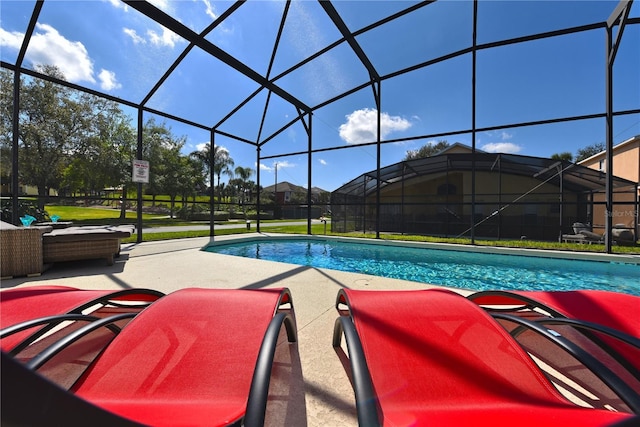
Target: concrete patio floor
(310, 386)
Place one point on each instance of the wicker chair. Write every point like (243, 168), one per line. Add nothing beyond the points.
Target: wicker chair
(21, 250)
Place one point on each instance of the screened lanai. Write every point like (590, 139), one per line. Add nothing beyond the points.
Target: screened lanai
(515, 197)
(319, 92)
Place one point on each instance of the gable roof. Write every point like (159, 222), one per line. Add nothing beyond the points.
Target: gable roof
(458, 147)
(285, 186)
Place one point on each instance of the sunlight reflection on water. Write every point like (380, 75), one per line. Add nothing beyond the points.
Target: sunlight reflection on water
(458, 269)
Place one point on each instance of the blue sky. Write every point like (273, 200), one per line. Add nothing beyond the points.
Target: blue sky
(108, 46)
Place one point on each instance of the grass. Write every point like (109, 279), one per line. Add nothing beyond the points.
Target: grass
(525, 244)
(152, 237)
(318, 230)
(293, 229)
(83, 215)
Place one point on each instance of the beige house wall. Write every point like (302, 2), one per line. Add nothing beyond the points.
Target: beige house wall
(626, 164)
(626, 160)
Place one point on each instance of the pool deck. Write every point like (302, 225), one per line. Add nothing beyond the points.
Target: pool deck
(314, 390)
(173, 264)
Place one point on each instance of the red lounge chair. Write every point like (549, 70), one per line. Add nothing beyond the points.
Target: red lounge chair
(19, 305)
(615, 310)
(602, 324)
(190, 359)
(434, 358)
(195, 357)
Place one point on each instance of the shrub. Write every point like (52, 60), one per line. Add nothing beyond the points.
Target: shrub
(25, 207)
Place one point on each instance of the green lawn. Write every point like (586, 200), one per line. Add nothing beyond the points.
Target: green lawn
(94, 215)
(83, 215)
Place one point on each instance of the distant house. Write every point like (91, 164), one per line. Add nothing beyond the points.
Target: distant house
(626, 164)
(291, 200)
(457, 148)
(286, 192)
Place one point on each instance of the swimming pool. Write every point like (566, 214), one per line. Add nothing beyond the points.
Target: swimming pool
(453, 268)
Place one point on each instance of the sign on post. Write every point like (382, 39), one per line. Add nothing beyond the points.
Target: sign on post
(140, 171)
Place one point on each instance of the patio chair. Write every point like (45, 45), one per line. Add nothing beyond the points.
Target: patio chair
(434, 358)
(613, 309)
(21, 250)
(19, 305)
(195, 357)
(603, 324)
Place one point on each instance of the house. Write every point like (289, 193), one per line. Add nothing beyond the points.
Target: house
(626, 164)
(286, 192)
(291, 200)
(457, 148)
(626, 160)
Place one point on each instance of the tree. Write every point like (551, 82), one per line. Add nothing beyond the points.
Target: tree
(189, 179)
(242, 184)
(173, 169)
(562, 156)
(54, 121)
(118, 141)
(426, 150)
(104, 159)
(222, 163)
(155, 138)
(6, 128)
(589, 150)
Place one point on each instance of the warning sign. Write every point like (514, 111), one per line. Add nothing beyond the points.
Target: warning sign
(140, 171)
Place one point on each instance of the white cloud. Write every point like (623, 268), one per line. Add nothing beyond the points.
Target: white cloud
(502, 147)
(49, 47)
(119, 5)
(281, 165)
(160, 37)
(361, 126)
(506, 135)
(284, 164)
(210, 10)
(134, 36)
(11, 40)
(166, 38)
(108, 80)
(161, 4)
(323, 162)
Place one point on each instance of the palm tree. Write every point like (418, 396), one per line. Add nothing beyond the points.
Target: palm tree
(222, 163)
(243, 175)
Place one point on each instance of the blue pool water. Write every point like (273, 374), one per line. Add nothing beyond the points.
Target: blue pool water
(458, 269)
